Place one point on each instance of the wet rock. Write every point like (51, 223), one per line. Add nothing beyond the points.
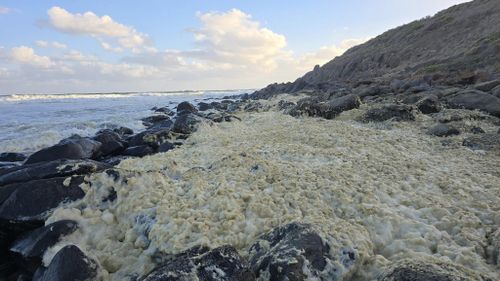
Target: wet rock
(163, 125)
(151, 120)
(123, 131)
(487, 86)
(186, 123)
(433, 270)
(32, 245)
(185, 107)
(7, 166)
(45, 170)
(35, 243)
(152, 137)
(31, 202)
(114, 160)
(220, 264)
(483, 142)
(12, 157)
(165, 110)
(396, 112)
(111, 143)
(74, 147)
(70, 264)
(297, 252)
(203, 106)
(473, 99)
(443, 130)
(138, 151)
(477, 130)
(429, 104)
(166, 146)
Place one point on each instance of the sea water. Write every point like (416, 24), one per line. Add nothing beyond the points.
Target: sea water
(31, 122)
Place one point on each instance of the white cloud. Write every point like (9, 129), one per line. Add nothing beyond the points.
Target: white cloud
(234, 37)
(91, 24)
(53, 44)
(4, 10)
(26, 55)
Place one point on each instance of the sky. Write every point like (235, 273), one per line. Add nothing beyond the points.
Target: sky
(123, 46)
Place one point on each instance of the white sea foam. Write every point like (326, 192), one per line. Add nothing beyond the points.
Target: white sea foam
(388, 193)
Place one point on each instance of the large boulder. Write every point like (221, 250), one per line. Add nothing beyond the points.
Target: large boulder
(138, 151)
(74, 147)
(11, 157)
(487, 86)
(203, 106)
(297, 252)
(31, 246)
(186, 123)
(220, 264)
(326, 109)
(429, 104)
(30, 203)
(396, 112)
(45, 170)
(474, 99)
(186, 108)
(70, 264)
(111, 142)
(152, 137)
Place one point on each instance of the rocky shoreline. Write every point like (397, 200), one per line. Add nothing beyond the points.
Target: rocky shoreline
(33, 187)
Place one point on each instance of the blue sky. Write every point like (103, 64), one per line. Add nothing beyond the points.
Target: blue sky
(94, 46)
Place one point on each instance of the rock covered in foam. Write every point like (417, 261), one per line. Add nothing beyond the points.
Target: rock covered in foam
(443, 130)
(396, 112)
(70, 264)
(220, 264)
(34, 244)
(45, 170)
(295, 252)
(429, 270)
(30, 202)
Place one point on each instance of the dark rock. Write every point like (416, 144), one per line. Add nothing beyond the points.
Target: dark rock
(487, 86)
(473, 99)
(186, 123)
(151, 120)
(482, 142)
(34, 244)
(166, 146)
(162, 125)
(7, 166)
(138, 151)
(29, 204)
(165, 110)
(328, 110)
(11, 157)
(185, 108)
(70, 264)
(477, 130)
(203, 106)
(152, 137)
(285, 105)
(45, 170)
(295, 252)
(396, 112)
(74, 147)
(414, 270)
(496, 92)
(374, 90)
(114, 160)
(253, 106)
(429, 104)
(220, 264)
(222, 117)
(111, 143)
(443, 130)
(123, 131)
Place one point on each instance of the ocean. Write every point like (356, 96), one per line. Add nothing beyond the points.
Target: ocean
(31, 122)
